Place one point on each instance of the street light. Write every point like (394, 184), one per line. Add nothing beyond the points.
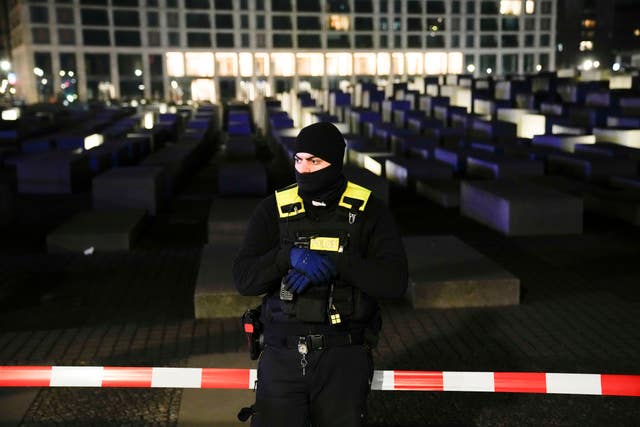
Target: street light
(5, 65)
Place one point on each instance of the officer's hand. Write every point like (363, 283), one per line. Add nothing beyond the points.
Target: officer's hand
(318, 268)
(297, 282)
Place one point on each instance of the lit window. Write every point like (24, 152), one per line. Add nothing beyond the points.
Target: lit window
(510, 7)
(339, 64)
(586, 45)
(397, 63)
(227, 64)
(414, 63)
(199, 64)
(246, 64)
(364, 63)
(436, 63)
(283, 64)
(455, 63)
(175, 64)
(589, 23)
(310, 64)
(339, 23)
(384, 64)
(529, 7)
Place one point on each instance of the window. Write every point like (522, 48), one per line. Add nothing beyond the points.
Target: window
(363, 6)
(414, 24)
(510, 63)
(488, 41)
(338, 40)
(545, 40)
(94, 17)
(308, 5)
(470, 24)
(397, 24)
(470, 41)
(40, 35)
(363, 24)
(172, 3)
(244, 21)
(545, 7)
(488, 24)
(545, 24)
(198, 39)
(173, 39)
(66, 36)
(280, 22)
(384, 41)
(225, 40)
(384, 25)
(129, 3)
(455, 7)
(96, 37)
(152, 3)
(173, 20)
(487, 62)
(126, 18)
(397, 6)
(435, 7)
(153, 20)
(281, 5)
(308, 23)
(153, 38)
(528, 62)
(529, 40)
(510, 24)
(489, 7)
(436, 41)
(414, 7)
(309, 40)
(224, 21)
(414, 41)
(363, 41)
(282, 40)
(197, 4)
(337, 6)
(94, 2)
(339, 23)
(245, 40)
(471, 7)
(261, 40)
(455, 24)
(97, 64)
(509, 40)
(455, 40)
(64, 15)
(127, 38)
(530, 24)
(260, 22)
(39, 14)
(223, 4)
(198, 20)
(435, 24)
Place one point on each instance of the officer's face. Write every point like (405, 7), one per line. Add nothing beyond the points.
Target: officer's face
(307, 163)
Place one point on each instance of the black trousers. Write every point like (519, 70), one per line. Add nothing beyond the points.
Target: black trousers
(333, 391)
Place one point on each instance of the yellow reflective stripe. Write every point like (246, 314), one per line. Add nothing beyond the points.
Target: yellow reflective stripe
(355, 191)
(288, 196)
(331, 244)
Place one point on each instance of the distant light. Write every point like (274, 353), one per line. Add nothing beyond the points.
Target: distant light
(70, 98)
(538, 67)
(471, 68)
(38, 72)
(71, 74)
(174, 84)
(616, 66)
(489, 70)
(11, 114)
(44, 81)
(5, 65)
(560, 47)
(141, 87)
(93, 140)
(134, 103)
(12, 90)
(636, 32)
(138, 72)
(587, 65)
(12, 78)
(61, 73)
(148, 120)
(596, 64)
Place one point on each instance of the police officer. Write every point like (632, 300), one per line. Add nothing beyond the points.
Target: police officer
(321, 251)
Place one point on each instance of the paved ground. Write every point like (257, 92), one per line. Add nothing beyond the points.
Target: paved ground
(580, 312)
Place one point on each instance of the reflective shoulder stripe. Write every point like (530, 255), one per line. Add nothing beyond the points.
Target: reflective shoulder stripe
(287, 198)
(354, 191)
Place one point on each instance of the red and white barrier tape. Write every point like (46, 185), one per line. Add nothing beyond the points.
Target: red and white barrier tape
(504, 382)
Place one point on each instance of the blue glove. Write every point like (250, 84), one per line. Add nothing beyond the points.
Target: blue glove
(316, 267)
(296, 281)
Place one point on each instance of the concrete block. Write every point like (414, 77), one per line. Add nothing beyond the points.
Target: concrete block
(444, 272)
(445, 193)
(619, 204)
(114, 230)
(627, 137)
(520, 209)
(502, 167)
(564, 142)
(406, 171)
(591, 168)
(242, 179)
(53, 172)
(138, 187)
(228, 218)
(215, 293)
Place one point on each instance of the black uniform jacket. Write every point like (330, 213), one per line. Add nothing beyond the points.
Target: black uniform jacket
(381, 273)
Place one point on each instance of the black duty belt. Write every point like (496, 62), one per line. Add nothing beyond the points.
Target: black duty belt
(320, 342)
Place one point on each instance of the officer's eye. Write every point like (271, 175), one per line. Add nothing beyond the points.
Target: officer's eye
(315, 162)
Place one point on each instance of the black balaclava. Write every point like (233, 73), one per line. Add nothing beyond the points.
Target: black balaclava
(323, 140)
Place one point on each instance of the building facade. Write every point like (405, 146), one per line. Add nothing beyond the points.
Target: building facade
(219, 49)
